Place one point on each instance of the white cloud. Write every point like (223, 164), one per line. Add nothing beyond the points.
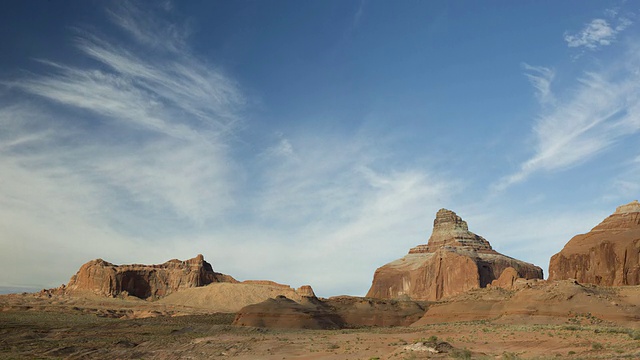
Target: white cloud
(603, 109)
(625, 185)
(163, 121)
(342, 210)
(594, 35)
(541, 78)
(599, 32)
(532, 235)
(106, 158)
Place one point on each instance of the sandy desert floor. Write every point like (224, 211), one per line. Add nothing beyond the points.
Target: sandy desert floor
(68, 328)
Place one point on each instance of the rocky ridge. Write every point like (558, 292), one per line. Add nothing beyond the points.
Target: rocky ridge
(608, 255)
(333, 313)
(453, 261)
(102, 278)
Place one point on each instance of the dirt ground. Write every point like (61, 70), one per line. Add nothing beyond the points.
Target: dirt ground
(68, 328)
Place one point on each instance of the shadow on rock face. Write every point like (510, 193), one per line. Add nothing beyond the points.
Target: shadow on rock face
(334, 313)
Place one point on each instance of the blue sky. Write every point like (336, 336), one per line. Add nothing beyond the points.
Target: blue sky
(308, 142)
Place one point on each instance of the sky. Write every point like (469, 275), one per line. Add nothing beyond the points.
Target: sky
(308, 142)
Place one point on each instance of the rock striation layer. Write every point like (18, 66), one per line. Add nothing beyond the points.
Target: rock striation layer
(143, 281)
(608, 255)
(334, 313)
(453, 261)
(230, 298)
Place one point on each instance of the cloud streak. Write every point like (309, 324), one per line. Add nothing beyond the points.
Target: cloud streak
(107, 156)
(603, 110)
(340, 203)
(179, 110)
(541, 79)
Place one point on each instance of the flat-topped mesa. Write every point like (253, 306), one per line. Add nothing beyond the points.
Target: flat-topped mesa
(449, 230)
(453, 261)
(144, 281)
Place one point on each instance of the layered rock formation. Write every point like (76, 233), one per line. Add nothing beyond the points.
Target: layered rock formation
(281, 312)
(143, 281)
(544, 302)
(453, 261)
(230, 298)
(608, 255)
(333, 313)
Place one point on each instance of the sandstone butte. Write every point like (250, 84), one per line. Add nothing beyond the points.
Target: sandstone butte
(607, 255)
(143, 281)
(453, 261)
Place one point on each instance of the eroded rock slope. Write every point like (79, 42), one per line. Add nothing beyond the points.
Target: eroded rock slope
(607, 255)
(143, 281)
(453, 261)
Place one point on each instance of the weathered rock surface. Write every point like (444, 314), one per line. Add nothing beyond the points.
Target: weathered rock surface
(231, 297)
(544, 302)
(357, 311)
(333, 313)
(453, 261)
(608, 255)
(507, 279)
(143, 281)
(281, 312)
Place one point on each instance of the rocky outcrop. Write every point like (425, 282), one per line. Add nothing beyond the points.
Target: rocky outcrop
(506, 280)
(453, 261)
(333, 313)
(544, 302)
(143, 281)
(230, 298)
(357, 312)
(281, 312)
(608, 255)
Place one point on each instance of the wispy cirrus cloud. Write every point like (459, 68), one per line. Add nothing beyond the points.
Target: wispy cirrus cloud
(603, 109)
(171, 113)
(339, 202)
(541, 79)
(112, 153)
(625, 185)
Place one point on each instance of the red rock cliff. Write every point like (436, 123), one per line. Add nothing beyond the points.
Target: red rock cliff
(144, 281)
(608, 255)
(453, 261)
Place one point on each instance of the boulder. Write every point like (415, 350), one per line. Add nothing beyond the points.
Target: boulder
(143, 281)
(453, 261)
(608, 255)
(506, 280)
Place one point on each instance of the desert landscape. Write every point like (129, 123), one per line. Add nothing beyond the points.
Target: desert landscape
(452, 298)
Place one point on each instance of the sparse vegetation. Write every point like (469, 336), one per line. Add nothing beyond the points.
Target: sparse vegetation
(72, 333)
(509, 356)
(461, 354)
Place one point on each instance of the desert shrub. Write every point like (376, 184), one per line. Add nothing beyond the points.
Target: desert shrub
(597, 346)
(509, 356)
(461, 354)
(571, 327)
